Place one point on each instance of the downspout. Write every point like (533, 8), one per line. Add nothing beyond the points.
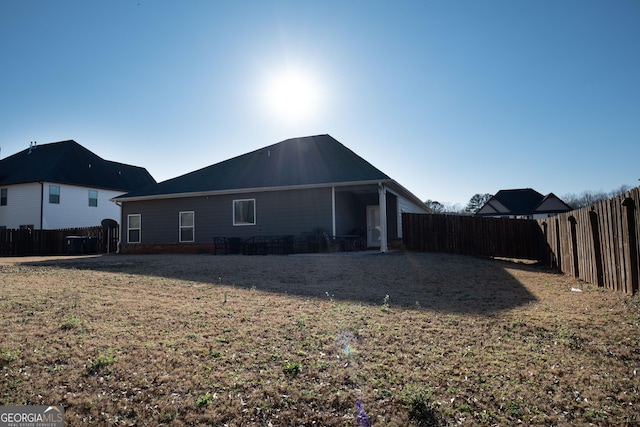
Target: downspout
(120, 227)
(41, 202)
(382, 202)
(333, 211)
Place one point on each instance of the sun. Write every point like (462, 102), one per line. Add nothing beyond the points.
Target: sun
(292, 95)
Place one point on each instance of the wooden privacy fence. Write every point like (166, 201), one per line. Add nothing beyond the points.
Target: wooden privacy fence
(598, 244)
(68, 241)
(479, 236)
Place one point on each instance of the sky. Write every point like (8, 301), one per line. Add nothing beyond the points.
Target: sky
(448, 98)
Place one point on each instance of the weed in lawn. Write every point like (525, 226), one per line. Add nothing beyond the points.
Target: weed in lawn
(385, 304)
(7, 356)
(204, 400)
(417, 400)
(291, 369)
(70, 321)
(102, 361)
(514, 409)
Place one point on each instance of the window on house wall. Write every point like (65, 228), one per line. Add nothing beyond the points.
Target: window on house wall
(187, 226)
(244, 212)
(93, 198)
(134, 223)
(3, 196)
(54, 194)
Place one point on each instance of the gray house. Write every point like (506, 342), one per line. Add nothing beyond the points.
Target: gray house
(291, 188)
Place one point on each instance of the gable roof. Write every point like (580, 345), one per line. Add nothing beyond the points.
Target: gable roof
(68, 162)
(523, 201)
(307, 161)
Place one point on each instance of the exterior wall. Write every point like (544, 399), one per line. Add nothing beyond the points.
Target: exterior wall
(277, 213)
(406, 205)
(23, 206)
(74, 210)
(26, 201)
(493, 207)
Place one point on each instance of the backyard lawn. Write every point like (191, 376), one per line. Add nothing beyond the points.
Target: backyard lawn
(394, 339)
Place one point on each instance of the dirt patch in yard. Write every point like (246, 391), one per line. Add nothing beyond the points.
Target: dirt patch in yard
(414, 338)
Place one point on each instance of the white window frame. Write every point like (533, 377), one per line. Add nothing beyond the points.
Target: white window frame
(186, 227)
(129, 228)
(93, 198)
(234, 212)
(51, 187)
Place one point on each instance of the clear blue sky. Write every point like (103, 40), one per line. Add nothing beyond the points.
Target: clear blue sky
(449, 98)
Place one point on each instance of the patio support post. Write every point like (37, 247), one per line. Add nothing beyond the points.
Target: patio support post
(382, 202)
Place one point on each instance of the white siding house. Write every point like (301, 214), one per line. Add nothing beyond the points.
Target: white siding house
(21, 208)
(63, 185)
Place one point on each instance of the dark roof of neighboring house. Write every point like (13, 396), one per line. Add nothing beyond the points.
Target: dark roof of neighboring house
(68, 162)
(312, 160)
(523, 201)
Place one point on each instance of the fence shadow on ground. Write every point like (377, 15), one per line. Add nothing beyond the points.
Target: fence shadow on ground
(415, 280)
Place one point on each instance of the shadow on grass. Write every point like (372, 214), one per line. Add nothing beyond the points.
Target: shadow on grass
(433, 281)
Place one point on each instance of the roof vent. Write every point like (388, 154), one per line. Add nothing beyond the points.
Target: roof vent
(32, 146)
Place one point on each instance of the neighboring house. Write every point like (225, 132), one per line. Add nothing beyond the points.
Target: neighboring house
(63, 185)
(289, 188)
(524, 203)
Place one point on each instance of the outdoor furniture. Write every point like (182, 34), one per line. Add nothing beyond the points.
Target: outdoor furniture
(220, 245)
(268, 245)
(333, 245)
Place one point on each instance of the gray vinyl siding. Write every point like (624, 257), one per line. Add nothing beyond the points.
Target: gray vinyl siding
(277, 212)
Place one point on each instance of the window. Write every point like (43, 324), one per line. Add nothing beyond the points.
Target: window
(187, 226)
(244, 212)
(133, 228)
(54, 194)
(3, 197)
(93, 198)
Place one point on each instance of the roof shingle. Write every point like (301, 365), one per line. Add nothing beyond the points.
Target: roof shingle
(294, 162)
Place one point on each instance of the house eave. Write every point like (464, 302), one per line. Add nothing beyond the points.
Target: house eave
(247, 190)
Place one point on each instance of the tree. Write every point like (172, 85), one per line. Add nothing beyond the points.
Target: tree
(476, 202)
(436, 207)
(587, 198)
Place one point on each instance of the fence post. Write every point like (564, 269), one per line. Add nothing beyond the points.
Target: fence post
(631, 254)
(597, 249)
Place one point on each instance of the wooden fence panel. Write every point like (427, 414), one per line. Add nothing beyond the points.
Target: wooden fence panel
(599, 244)
(472, 236)
(25, 242)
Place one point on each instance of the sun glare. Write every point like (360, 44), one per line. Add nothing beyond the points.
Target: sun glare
(292, 95)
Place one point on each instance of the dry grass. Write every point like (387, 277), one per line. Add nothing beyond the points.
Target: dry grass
(416, 338)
